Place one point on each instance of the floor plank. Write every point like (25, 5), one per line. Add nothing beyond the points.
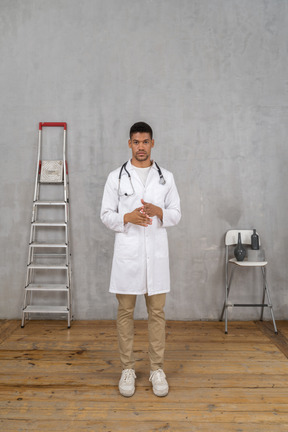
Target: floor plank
(53, 378)
(280, 339)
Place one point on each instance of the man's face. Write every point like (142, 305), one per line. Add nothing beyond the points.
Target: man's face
(141, 145)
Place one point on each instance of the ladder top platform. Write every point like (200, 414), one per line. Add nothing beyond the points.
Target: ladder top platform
(52, 124)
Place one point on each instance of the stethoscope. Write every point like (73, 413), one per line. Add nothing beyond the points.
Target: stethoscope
(162, 180)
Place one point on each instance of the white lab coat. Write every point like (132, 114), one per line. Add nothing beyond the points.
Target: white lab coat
(141, 257)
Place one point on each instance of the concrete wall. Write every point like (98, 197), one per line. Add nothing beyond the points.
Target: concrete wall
(211, 78)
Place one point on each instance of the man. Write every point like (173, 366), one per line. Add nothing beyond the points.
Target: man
(140, 200)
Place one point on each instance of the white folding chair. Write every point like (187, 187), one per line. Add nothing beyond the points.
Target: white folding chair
(231, 239)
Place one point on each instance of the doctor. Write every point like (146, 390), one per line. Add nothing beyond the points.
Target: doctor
(140, 200)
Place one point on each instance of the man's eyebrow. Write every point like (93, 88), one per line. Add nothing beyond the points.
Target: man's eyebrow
(135, 140)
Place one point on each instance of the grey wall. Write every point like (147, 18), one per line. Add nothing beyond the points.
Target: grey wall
(211, 78)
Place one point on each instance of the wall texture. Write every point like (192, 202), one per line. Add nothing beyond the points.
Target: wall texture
(211, 78)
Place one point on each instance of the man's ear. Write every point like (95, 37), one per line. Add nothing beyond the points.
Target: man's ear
(152, 143)
(130, 143)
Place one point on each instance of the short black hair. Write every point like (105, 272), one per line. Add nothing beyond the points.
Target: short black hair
(141, 127)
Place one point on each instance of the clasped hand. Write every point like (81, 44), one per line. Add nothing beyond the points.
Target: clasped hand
(142, 215)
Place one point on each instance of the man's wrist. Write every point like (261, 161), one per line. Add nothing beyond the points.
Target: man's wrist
(126, 218)
(160, 214)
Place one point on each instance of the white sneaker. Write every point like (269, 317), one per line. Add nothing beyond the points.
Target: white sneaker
(159, 383)
(127, 382)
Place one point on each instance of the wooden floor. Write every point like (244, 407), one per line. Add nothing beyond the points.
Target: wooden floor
(55, 379)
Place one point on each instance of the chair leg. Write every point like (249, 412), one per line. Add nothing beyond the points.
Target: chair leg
(224, 315)
(264, 293)
(269, 301)
(273, 319)
(223, 311)
(226, 320)
(225, 306)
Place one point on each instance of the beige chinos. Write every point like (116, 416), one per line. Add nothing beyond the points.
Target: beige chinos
(156, 329)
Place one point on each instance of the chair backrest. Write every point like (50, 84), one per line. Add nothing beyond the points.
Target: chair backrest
(231, 237)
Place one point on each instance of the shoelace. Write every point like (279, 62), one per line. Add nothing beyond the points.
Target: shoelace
(128, 374)
(158, 375)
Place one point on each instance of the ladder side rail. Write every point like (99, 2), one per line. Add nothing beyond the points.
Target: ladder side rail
(29, 276)
(65, 166)
(68, 249)
(67, 255)
(32, 227)
(66, 194)
(32, 233)
(29, 248)
(38, 166)
(66, 197)
(66, 235)
(68, 299)
(70, 295)
(68, 226)
(67, 276)
(32, 240)
(36, 194)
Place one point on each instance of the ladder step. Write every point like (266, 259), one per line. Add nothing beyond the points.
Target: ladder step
(48, 266)
(49, 223)
(48, 245)
(49, 203)
(45, 309)
(46, 287)
(51, 182)
(49, 256)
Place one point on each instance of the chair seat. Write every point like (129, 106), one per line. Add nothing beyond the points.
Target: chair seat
(246, 263)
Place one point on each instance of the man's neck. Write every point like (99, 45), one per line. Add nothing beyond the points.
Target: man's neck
(141, 164)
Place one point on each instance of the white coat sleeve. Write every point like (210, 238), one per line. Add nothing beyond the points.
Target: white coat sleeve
(109, 209)
(172, 211)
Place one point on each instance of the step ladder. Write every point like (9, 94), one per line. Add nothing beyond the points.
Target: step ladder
(48, 277)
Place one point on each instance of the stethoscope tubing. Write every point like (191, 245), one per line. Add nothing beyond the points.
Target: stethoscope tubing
(162, 180)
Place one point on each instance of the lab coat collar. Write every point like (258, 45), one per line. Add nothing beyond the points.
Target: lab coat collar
(130, 167)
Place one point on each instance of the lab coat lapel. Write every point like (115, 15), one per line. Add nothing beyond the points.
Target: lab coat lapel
(152, 173)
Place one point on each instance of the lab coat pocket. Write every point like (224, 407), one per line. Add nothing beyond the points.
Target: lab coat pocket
(126, 247)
